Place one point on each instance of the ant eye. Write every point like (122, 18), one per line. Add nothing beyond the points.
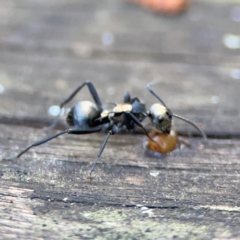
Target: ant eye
(160, 119)
(169, 115)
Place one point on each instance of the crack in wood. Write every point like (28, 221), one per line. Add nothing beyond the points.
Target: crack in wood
(103, 203)
(36, 122)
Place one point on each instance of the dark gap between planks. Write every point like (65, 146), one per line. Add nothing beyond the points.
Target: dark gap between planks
(35, 122)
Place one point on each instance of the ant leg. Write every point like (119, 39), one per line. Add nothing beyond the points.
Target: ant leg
(100, 151)
(41, 142)
(134, 99)
(140, 125)
(84, 131)
(155, 95)
(128, 99)
(92, 91)
(69, 131)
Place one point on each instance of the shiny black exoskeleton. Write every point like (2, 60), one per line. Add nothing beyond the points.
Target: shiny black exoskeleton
(87, 117)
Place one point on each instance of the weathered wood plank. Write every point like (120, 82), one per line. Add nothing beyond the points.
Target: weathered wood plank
(194, 71)
(46, 49)
(189, 92)
(191, 186)
(46, 220)
(127, 155)
(74, 221)
(79, 22)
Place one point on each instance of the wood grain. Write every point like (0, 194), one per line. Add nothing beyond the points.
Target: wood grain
(47, 54)
(47, 48)
(192, 185)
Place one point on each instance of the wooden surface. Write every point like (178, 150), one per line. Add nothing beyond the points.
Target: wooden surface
(47, 48)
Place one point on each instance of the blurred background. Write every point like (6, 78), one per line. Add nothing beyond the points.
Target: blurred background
(189, 48)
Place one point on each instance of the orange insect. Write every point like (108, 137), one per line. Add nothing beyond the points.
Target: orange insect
(164, 143)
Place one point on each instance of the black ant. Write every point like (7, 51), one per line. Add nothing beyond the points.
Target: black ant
(86, 117)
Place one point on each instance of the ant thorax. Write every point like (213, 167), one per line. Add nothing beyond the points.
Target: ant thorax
(117, 114)
(118, 109)
(105, 113)
(121, 108)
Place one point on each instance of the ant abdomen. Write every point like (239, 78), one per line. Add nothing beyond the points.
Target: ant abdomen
(83, 114)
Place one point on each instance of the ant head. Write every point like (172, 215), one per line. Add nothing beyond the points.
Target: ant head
(161, 117)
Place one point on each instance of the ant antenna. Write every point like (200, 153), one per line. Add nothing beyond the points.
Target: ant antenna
(193, 124)
(155, 95)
